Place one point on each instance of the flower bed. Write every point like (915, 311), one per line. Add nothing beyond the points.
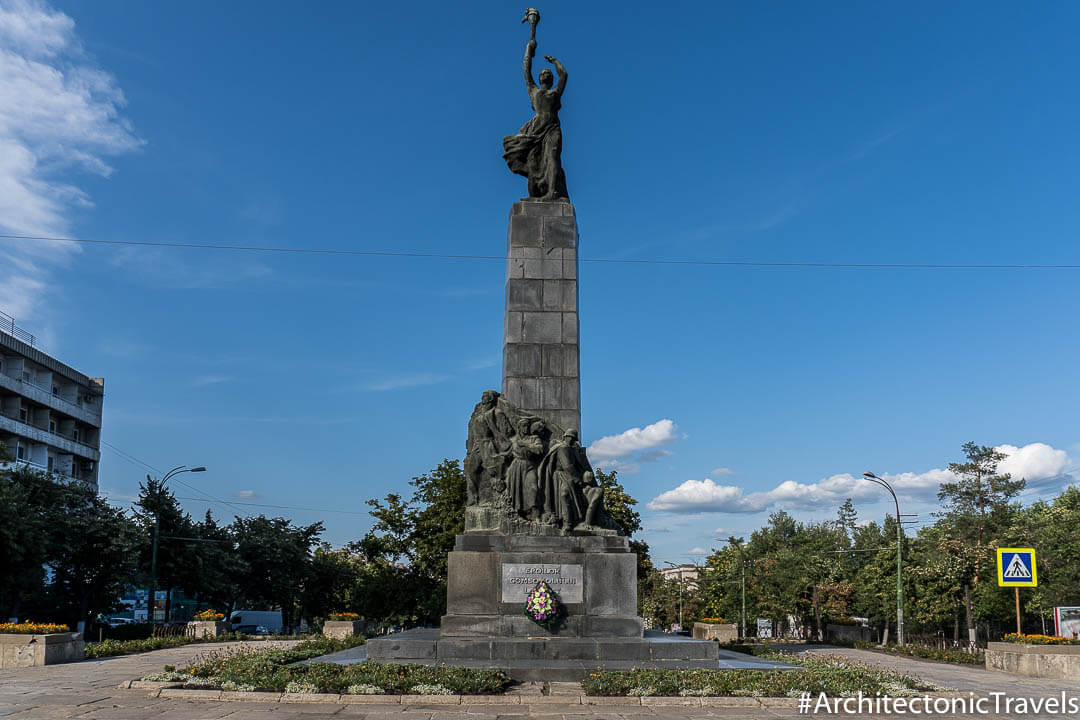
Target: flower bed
(209, 615)
(109, 648)
(251, 670)
(344, 616)
(1039, 639)
(32, 628)
(833, 675)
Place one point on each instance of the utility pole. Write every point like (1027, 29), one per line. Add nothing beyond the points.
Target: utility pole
(157, 531)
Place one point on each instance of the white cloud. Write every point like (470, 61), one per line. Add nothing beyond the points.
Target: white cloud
(246, 495)
(721, 471)
(628, 442)
(697, 551)
(58, 112)
(207, 380)
(1039, 463)
(626, 468)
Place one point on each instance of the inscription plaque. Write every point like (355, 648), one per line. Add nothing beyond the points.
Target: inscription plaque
(518, 579)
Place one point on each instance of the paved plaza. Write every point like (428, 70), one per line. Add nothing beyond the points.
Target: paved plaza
(90, 690)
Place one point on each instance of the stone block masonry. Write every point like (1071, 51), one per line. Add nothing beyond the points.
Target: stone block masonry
(540, 340)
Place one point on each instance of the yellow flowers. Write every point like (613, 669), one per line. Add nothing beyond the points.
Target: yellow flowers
(210, 615)
(1039, 639)
(344, 616)
(33, 628)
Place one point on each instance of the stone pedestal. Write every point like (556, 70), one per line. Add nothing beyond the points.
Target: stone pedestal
(540, 340)
(341, 629)
(594, 578)
(21, 651)
(207, 628)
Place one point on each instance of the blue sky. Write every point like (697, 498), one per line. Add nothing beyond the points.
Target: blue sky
(766, 132)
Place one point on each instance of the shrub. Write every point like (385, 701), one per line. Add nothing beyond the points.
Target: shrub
(109, 648)
(953, 656)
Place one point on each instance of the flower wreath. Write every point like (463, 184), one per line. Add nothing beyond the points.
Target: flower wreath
(542, 606)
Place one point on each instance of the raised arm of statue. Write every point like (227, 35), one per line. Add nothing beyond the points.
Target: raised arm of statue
(530, 53)
(563, 75)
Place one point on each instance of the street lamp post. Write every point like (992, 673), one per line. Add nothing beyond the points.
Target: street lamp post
(899, 561)
(157, 523)
(680, 579)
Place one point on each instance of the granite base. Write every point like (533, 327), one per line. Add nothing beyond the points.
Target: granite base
(545, 658)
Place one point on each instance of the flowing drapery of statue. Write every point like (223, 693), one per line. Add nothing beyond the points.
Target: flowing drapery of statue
(536, 150)
(526, 475)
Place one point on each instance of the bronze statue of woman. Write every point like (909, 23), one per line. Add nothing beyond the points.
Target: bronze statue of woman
(536, 151)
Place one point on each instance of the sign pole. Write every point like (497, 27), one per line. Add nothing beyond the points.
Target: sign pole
(1017, 610)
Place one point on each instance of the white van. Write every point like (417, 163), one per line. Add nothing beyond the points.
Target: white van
(247, 621)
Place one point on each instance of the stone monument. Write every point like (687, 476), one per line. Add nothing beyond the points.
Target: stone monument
(535, 519)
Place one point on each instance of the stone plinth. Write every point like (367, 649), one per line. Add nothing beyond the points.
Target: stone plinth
(341, 629)
(594, 577)
(1061, 662)
(207, 628)
(20, 651)
(540, 340)
(722, 632)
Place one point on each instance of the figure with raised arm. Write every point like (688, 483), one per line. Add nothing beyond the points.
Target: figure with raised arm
(536, 151)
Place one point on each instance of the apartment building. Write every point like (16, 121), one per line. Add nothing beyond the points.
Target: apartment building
(50, 413)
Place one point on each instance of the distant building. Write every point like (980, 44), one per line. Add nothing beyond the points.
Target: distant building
(50, 414)
(685, 573)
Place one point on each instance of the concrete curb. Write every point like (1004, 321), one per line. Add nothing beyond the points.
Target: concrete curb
(172, 690)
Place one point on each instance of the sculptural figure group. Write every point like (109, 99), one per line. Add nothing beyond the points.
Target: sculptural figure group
(530, 469)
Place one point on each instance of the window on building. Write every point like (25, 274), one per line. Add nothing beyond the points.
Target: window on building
(20, 452)
(26, 375)
(24, 415)
(51, 460)
(52, 426)
(75, 470)
(75, 434)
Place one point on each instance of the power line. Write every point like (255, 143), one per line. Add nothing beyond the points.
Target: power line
(617, 261)
(132, 459)
(287, 507)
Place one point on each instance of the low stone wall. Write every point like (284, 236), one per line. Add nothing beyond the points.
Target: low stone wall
(724, 632)
(341, 629)
(207, 628)
(1061, 662)
(19, 651)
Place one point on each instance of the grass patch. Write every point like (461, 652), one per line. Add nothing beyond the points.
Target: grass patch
(834, 675)
(272, 670)
(950, 656)
(109, 648)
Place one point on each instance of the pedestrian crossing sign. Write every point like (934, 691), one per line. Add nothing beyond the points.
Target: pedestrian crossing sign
(1016, 567)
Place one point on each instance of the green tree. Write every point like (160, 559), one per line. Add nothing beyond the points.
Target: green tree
(276, 559)
(976, 504)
